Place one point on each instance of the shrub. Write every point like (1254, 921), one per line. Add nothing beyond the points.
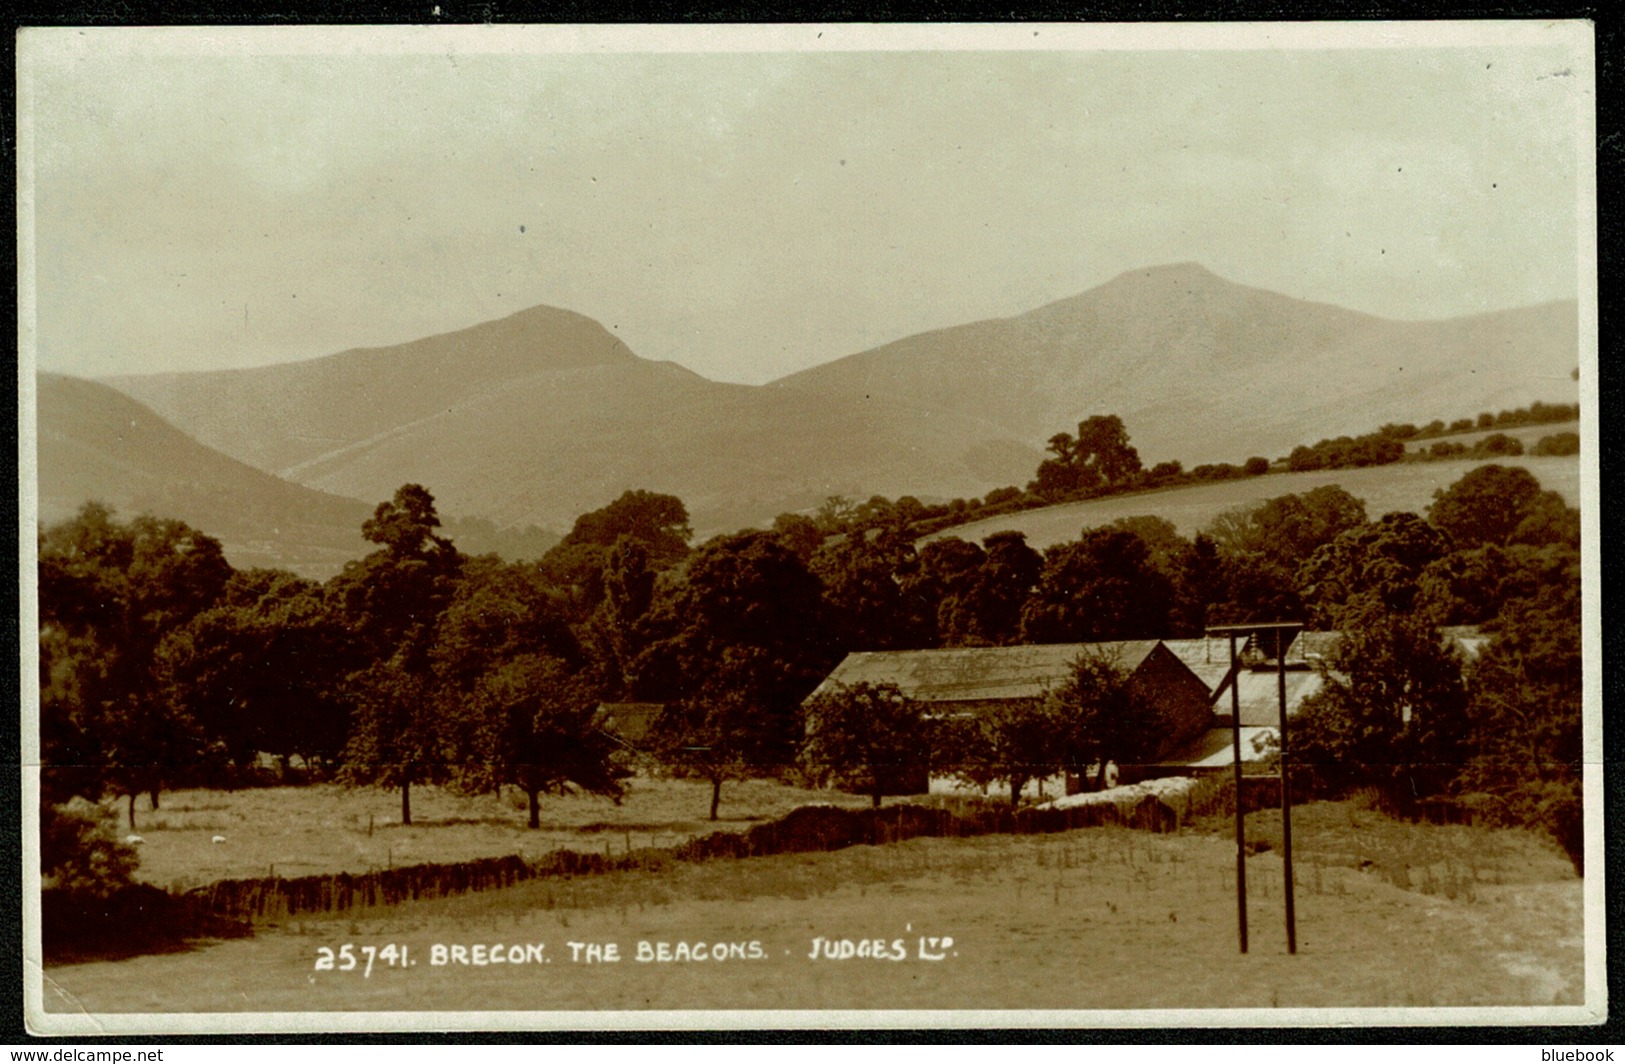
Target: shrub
(1497, 444)
(79, 852)
(1561, 443)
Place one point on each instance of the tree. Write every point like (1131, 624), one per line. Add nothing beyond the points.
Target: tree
(939, 583)
(1009, 742)
(262, 670)
(1287, 529)
(1391, 713)
(1104, 716)
(1381, 561)
(1102, 587)
(108, 594)
(1488, 504)
(528, 723)
(658, 523)
(738, 639)
(392, 601)
(1526, 695)
(799, 533)
(866, 734)
(1103, 449)
(720, 732)
(1101, 455)
(985, 606)
(617, 625)
(865, 605)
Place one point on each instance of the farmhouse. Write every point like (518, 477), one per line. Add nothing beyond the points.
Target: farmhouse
(974, 679)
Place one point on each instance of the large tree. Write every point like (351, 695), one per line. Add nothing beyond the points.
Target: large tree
(263, 670)
(1101, 587)
(1392, 712)
(1380, 563)
(528, 723)
(392, 601)
(1099, 456)
(1497, 505)
(986, 610)
(867, 735)
(108, 593)
(739, 638)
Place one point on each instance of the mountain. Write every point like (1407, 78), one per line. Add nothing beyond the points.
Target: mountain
(97, 444)
(1204, 370)
(545, 414)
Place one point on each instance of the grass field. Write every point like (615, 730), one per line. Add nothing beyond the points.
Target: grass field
(301, 831)
(1389, 914)
(1403, 486)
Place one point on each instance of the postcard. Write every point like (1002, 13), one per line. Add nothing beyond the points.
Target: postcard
(809, 526)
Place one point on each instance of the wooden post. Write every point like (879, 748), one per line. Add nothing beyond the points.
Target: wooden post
(1241, 831)
(1286, 797)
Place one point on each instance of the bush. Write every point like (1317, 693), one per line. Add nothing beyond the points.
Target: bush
(1561, 443)
(1256, 466)
(79, 852)
(1496, 445)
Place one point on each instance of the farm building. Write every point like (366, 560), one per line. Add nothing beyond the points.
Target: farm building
(974, 679)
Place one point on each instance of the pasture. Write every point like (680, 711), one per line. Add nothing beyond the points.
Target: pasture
(1402, 486)
(1389, 914)
(324, 828)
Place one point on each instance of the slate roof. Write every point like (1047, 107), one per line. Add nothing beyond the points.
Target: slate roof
(1208, 658)
(975, 674)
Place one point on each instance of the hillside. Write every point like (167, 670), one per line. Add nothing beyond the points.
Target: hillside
(1403, 486)
(1204, 370)
(545, 414)
(96, 444)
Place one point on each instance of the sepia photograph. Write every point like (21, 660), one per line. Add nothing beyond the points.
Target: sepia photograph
(809, 526)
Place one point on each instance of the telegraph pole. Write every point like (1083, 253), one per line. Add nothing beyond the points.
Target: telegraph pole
(1286, 795)
(1241, 816)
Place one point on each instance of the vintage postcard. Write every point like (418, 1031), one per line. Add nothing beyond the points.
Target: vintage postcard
(809, 526)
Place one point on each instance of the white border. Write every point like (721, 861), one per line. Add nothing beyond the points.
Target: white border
(32, 44)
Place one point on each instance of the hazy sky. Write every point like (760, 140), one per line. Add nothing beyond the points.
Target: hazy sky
(751, 213)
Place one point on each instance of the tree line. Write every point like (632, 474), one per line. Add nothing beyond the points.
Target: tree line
(163, 666)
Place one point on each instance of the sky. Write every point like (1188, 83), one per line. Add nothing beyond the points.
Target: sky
(752, 204)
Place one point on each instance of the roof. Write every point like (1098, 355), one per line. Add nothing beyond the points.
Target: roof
(630, 721)
(1260, 698)
(1209, 659)
(1214, 749)
(976, 674)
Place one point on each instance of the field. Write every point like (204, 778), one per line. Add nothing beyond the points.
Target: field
(1389, 914)
(323, 828)
(1403, 486)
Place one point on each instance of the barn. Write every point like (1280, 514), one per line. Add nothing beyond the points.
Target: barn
(1258, 683)
(965, 680)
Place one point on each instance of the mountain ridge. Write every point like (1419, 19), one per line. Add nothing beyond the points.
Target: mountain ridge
(544, 414)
